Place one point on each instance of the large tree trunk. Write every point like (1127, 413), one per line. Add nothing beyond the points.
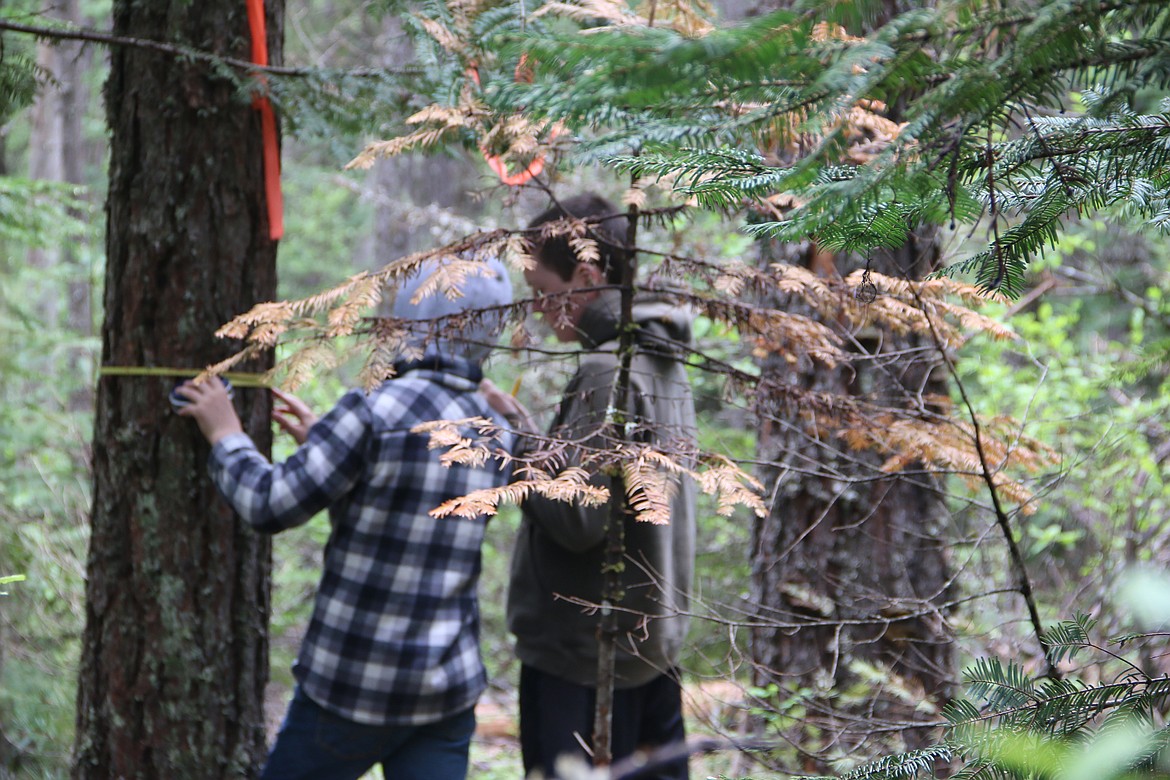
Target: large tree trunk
(850, 564)
(174, 657)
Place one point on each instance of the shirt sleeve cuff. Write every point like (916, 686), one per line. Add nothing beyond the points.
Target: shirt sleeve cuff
(231, 443)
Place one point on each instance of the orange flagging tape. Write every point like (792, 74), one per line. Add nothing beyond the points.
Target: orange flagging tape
(494, 161)
(267, 124)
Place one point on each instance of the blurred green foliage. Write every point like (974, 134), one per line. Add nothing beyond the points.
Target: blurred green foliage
(46, 376)
(1105, 504)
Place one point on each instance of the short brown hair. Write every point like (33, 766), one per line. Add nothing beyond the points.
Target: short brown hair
(610, 234)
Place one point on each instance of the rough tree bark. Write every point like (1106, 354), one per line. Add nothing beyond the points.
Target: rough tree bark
(854, 556)
(174, 657)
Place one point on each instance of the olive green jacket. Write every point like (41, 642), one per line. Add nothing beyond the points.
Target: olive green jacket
(560, 549)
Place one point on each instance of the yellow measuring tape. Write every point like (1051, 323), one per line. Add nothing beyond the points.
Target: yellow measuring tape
(237, 378)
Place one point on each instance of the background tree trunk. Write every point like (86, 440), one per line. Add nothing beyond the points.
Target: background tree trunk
(852, 555)
(63, 153)
(174, 656)
(848, 552)
(420, 200)
(79, 157)
(46, 161)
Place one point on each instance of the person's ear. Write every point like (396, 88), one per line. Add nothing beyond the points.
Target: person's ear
(587, 275)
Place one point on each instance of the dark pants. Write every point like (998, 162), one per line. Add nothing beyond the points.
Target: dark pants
(552, 710)
(315, 744)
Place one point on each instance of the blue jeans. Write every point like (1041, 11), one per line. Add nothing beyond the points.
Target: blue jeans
(315, 744)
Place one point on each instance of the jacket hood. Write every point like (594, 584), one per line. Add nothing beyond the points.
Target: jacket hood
(471, 337)
(664, 323)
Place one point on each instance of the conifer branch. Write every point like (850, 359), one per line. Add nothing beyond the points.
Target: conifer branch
(180, 51)
(620, 507)
(1002, 520)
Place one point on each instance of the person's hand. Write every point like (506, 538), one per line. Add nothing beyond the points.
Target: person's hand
(211, 407)
(292, 415)
(510, 409)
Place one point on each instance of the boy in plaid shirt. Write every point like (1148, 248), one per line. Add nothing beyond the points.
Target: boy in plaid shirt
(389, 670)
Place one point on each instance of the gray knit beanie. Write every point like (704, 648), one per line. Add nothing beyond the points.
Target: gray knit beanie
(488, 288)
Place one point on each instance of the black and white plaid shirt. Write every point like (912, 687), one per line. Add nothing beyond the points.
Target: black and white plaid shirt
(394, 636)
